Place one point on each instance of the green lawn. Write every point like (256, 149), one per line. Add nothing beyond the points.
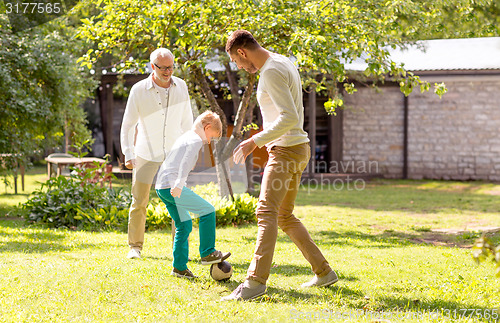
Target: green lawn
(384, 241)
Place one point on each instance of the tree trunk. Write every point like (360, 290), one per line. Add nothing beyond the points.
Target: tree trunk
(225, 188)
(233, 87)
(209, 95)
(223, 151)
(66, 136)
(237, 135)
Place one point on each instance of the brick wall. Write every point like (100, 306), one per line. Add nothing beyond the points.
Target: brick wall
(456, 137)
(373, 130)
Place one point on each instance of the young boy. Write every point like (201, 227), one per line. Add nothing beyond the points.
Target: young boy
(180, 200)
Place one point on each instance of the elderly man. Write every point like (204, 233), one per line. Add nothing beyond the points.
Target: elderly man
(158, 111)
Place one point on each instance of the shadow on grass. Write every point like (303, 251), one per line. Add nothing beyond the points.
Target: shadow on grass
(409, 196)
(158, 258)
(285, 270)
(288, 270)
(36, 240)
(273, 294)
(383, 240)
(388, 239)
(278, 295)
(372, 308)
(7, 195)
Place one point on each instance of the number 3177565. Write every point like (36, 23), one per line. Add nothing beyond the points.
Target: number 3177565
(33, 7)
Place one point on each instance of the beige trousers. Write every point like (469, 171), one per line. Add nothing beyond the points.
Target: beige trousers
(279, 188)
(142, 179)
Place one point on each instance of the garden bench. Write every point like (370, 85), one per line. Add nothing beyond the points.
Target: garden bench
(57, 163)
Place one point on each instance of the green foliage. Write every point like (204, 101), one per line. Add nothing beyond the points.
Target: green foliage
(81, 203)
(78, 203)
(323, 35)
(41, 89)
(104, 218)
(157, 217)
(484, 249)
(246, 205)
(241, 211)
(251, 126)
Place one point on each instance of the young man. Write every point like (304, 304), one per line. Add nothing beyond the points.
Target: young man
(279, 94)
(158, 111)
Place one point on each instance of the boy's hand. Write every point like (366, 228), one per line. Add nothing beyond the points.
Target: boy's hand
(176, 192)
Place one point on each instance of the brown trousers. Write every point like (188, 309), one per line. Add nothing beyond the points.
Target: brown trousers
(142, 178)
(279, 188)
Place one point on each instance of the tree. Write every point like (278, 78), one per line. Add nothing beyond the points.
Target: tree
(41, 88)
(322, 35)
(130, 30)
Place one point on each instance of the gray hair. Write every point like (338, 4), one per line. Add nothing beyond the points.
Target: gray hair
(160, 52)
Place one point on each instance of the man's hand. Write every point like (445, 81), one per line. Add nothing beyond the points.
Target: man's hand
(176, 192)
(130, 164)
(244, 149)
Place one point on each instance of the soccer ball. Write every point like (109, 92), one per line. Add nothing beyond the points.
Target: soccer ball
(221, 271)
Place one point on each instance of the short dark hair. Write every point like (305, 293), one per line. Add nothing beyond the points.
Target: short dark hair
(241, 39)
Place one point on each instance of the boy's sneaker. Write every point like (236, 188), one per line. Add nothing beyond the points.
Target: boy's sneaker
(183, 274)
(327, 280)
(215, 257)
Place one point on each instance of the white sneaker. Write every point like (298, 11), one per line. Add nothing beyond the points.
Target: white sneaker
(327, 280)
(134, 254)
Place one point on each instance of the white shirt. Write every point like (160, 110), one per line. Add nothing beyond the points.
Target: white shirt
(159, 121)
(163, 92)
(180, 161)
(279, 94)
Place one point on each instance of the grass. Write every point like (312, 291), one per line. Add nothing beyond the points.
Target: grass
(382, 241)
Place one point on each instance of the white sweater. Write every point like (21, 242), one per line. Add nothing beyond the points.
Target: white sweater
(279, 94)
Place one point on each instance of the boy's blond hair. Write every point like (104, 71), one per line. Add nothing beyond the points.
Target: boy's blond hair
(208, 118)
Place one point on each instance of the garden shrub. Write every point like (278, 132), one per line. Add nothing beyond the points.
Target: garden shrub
(79, 204)
(157, 217)
(241, 211)
(76, 203)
